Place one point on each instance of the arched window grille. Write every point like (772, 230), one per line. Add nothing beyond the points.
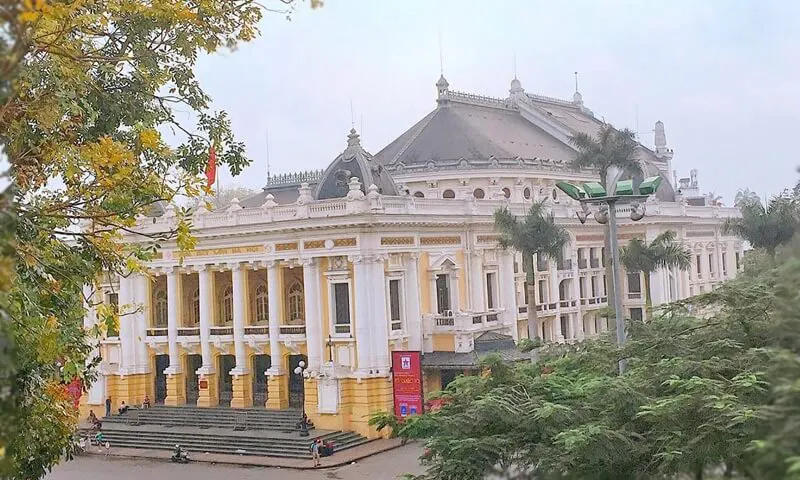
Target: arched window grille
(161, 309)
(296, 306)
(262, 304)
(227, 305)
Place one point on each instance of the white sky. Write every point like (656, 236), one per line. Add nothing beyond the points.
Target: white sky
(723, 76)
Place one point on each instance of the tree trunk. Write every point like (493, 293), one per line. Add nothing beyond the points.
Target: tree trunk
(530, 286)
(648, 301)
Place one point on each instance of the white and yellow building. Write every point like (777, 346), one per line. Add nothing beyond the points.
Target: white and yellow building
(392, 251)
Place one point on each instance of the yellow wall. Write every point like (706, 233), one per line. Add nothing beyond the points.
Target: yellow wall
(443, 342)
(462, 281)
(324, 294)
(431, 382)
(424, 282)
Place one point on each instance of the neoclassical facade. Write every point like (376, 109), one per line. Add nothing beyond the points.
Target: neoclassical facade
(390, 251)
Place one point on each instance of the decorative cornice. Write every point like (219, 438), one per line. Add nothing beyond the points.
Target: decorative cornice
(443, 240)
(285, 247)
(393, 241)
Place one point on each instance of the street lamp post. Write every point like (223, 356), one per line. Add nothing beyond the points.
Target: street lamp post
(300, 369)
(594, 194)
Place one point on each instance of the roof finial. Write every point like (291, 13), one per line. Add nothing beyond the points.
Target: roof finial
(352, 115)
(268, 172)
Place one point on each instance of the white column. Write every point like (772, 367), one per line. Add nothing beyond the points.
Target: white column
(412, 307)
(174, 307)
(363, 344)
(657, 286)
(731, 259)
(477, 296)
(273, 285)
(127, 332)
(706, 275)
(206, 280)
(508, 294)
(378, 318)
(239, 276)
(313, 318)
(142, 316)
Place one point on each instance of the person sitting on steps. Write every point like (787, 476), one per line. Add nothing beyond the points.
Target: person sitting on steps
(146, 402)
(123, 408)
(309, 423)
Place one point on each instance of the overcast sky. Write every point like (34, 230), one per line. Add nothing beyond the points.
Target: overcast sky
(722, 75)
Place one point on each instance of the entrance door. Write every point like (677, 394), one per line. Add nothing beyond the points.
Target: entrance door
(225, 365)
(296, 385)
(193, 363)
(162, 362)
(260, 365)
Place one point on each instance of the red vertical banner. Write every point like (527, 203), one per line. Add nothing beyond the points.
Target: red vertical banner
(407, 383)
(74, 390)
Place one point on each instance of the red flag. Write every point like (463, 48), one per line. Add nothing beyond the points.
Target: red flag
(211, 168)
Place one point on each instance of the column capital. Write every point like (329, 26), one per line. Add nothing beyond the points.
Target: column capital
(368, 258)
(307, 261)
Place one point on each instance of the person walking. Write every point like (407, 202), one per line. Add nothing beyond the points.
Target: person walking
(315, 451)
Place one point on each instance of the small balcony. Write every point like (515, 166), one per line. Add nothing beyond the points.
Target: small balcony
(189, 331)
(594, 301)
(220, 330)
(256, 330)
(567, 303)
(634, 295)
(582, 264)
(462, 321)
(342, 329)
(295, 330)
(157, 332)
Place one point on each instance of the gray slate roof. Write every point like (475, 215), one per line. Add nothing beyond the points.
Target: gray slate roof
(354, 162)
(488, 343)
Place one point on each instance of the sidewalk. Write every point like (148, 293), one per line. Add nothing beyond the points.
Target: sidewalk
(340, 458)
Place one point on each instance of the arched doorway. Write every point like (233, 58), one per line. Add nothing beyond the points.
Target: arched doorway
(162, 363)
(296, 384)
(193, 363)
(261, 364)
(225, 364)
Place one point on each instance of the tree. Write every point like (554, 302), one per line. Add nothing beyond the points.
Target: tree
(766, 227)
(745, 196)
(702, 396)
(714, 200)
(86, 90)
(610, 149)
(535, 234)
(662, 252)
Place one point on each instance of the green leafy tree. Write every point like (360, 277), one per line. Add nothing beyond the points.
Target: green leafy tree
(662, 252)
(769, 226)
(706, 395)
(745, 196)
(86, 88)
(610, 149)
(535, 234)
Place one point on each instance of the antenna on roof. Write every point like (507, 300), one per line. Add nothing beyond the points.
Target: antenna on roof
(515, 65)
(268, 171)
(441, 56)
(576, 81)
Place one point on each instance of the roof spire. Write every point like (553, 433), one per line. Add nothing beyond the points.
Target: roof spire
(577, 98)
(441, 55)
(352, 116)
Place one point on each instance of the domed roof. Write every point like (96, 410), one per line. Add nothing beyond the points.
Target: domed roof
(354, 162)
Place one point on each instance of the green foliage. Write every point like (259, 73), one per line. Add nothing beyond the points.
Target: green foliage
(535, 234)
(702, 394)
(662, 252)
(769, 226)
(610, 148)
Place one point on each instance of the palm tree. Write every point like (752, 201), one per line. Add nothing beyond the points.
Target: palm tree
(610, 149)
(714, 200)
(745, 196)
(766, 227)
(535, 234)
(662, 252)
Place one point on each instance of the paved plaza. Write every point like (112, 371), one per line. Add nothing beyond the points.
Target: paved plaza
(385, 466)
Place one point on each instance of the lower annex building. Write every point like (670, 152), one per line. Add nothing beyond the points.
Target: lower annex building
(392, 251)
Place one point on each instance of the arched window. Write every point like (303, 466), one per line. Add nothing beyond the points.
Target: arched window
(160, 314)
(479, 193)
(227, 305)
(196, 307)
(527, 193)
(506, 192)
(296, 306)
(419, 194)
(262, 304)
(448, 194)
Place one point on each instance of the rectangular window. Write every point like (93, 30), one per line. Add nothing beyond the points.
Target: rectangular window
(341, 303)
(711, 264)
(542, 295)
(699, 267)
(443, 293)
(394, 305)
(594, 287)
(634, 283)
(636, 314)
(582, 286)
(605, 285)
(525, 292)
(724, 265)
(491, 290)
(737, 262)
(565, 326)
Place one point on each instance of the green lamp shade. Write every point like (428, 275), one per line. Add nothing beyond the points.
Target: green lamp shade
(624, 187)
(649, 185)
(573, 191)
(594, 190)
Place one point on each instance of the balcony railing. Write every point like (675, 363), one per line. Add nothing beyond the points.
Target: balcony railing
(594, 262)
(342, 329)
(634, 295)
(594, 301)
(189, 332)
(256, 330)
(523, 309)
(567, 303)
(582, 263)
(293, 329)
(221, 330)
(157, 332)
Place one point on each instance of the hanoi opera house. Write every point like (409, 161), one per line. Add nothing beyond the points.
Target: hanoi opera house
(384, 252)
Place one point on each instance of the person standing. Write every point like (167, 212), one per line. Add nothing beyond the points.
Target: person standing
(108, 407)
(315, 451)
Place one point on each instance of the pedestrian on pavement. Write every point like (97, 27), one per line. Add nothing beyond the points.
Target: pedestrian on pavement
(108, 407)
(315, 451)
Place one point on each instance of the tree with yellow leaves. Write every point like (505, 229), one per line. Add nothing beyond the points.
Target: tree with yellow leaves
(86, 88)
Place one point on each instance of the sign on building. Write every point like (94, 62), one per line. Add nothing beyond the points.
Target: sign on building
(407, 383)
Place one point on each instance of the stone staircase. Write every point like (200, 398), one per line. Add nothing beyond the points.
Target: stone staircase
(219, 430)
